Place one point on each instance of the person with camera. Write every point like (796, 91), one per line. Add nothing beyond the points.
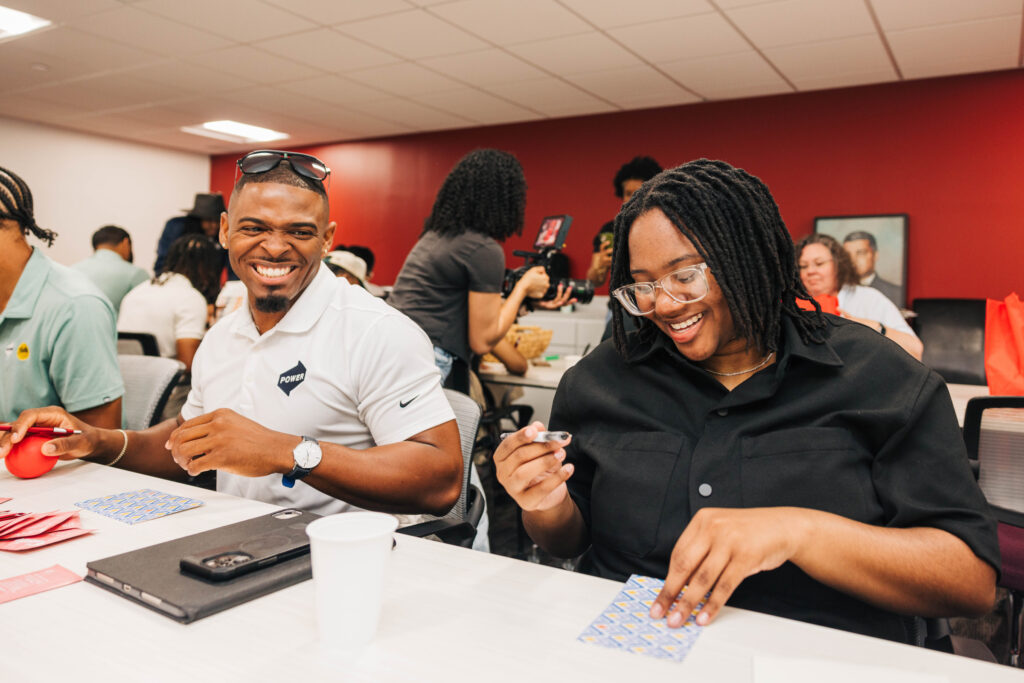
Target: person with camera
(451, 281)
(782, 460)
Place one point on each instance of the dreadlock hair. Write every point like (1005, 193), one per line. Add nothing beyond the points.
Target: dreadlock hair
(846, 273)
(638, 168)
(734, 223)
(16, 205)
(282, 174)
(484, 193)
(197, 258)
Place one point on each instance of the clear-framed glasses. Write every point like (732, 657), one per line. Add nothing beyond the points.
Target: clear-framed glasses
(685, 285)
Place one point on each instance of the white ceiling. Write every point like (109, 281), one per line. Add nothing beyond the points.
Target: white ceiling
(329, 70)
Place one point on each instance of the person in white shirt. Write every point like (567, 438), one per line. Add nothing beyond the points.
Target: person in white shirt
(173, 306)
(315, 395)
(826, 270)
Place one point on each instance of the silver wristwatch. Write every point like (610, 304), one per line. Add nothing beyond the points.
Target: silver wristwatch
(307, 456)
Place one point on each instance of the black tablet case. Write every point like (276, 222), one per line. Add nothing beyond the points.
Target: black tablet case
(154, 570)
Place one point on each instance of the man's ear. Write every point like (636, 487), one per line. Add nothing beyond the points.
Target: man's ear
(329, 237)
(224, 229)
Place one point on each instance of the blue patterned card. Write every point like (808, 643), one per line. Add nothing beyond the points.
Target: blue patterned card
(143, 505)
(626, 625)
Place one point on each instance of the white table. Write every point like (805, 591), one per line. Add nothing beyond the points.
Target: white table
(538, 384)
(449, 615)
(961, 394)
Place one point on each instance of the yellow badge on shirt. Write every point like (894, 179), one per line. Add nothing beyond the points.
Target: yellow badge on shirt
(23, 351)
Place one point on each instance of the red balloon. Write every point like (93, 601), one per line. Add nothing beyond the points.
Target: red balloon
(26, 459)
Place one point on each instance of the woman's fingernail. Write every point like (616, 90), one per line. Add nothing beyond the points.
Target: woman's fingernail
(657, 611)
(560, 455)
(675, 620)
(703, 619)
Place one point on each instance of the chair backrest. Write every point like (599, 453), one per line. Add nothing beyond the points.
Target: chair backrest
(137, 343)
(467, 416)
(994, 434)
(953, 334)
(148, 381)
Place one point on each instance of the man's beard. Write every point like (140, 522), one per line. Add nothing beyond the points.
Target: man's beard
(272, 303)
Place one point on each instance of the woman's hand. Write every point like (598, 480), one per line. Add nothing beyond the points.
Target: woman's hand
(535, 281)
(562, 298)
(873, 324)
(719, 548)
(533, 473)
(67, 448)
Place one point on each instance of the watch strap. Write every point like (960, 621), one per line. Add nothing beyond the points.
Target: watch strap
(298, 472)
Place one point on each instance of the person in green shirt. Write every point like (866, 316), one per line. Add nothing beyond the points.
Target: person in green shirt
(58, 344)
(110, 266)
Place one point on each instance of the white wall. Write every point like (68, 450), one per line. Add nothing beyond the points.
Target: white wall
(81, 182)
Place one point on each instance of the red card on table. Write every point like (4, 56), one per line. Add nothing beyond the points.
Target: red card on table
(36, 582)
(19, 544)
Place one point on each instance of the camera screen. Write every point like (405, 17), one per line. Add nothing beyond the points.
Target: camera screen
(552, 232)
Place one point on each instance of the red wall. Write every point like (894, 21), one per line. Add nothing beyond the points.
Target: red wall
(945, 151)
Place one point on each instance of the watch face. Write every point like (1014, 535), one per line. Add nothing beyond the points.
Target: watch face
(307, 454)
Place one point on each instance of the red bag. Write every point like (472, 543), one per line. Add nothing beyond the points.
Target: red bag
(1004, 346)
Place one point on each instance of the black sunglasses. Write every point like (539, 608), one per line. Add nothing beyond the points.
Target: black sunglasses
(262, 160)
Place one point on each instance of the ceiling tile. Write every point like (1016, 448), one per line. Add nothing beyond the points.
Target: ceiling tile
(113, 125)
(957, 48)
(31, 109)
(27, 68)
(84, 52)
(685, 38)
(730, 4)
(102, 93)
(479, 106)
(404, 79)
(576, 54)
(847, 80)
(552, 97)
(802, 21)
(637, 87)
(240, 20)
(253, 65)
(335, 89)
(412, 114)
(413, 34)
(182, 79)
(150, 32)
(328, 12)
(835, 58)
(328, 50)
(894, 15)
(506, 23)
(61, 10)
(612, 14)
(175, 139)
(484, 67)
(728, 76)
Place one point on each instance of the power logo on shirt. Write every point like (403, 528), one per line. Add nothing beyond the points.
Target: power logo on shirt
(292, 378)
(23, 351)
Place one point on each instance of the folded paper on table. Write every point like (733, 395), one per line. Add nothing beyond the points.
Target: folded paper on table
(132, 507)
(36, 582)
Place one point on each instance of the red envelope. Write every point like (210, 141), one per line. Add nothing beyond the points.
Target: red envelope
(19, 544)
(36, 582)
(44, 524)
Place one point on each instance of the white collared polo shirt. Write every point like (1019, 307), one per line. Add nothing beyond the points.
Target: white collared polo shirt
(342, 367)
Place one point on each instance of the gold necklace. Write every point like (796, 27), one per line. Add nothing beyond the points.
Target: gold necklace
(743, 372)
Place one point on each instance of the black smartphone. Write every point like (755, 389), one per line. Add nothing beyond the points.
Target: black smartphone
(262, 550)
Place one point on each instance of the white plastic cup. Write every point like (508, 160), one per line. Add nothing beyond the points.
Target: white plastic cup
(350, 553)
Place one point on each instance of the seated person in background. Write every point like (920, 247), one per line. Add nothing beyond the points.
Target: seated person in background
(202, 219)
(628, 180)
(345, 264)
(826, 270)
(789, 462)
(58, 344)
(110, 266)
(451, 281)
(314, 380)
(369, 259)
(172, 306)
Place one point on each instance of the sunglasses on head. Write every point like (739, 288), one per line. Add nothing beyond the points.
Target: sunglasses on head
(262, 160)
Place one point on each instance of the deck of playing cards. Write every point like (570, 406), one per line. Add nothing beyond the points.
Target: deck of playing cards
(30, 530)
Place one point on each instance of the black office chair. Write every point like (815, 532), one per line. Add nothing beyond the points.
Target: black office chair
(137, 343)
(953, 334)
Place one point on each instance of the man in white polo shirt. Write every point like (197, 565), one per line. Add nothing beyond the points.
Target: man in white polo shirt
(316, 395)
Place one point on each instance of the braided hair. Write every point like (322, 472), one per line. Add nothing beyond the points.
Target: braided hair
(197, 258)
(734, 223)
(484, 193)
(16, 205)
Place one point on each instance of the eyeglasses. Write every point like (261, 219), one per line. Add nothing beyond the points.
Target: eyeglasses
(685, 286)
(263, 160)
(816, 264)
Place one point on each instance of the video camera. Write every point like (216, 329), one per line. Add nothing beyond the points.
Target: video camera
(550, 240)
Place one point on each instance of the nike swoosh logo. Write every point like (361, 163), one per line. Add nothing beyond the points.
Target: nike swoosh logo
(402, 404)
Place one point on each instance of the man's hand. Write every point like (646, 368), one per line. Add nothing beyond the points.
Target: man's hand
(224, 440)
(721, 547)
(600, 262)
(533, 473)
(67, 448)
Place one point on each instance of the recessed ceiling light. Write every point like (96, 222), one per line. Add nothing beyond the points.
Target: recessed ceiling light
(15, 23)
(233, 131)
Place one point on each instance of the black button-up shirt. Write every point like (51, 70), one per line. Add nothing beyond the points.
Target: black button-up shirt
(853, 426)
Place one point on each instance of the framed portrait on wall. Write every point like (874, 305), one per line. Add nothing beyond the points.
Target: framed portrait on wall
(878, 247)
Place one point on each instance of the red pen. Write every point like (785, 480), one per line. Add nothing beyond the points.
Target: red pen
(45, 431)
